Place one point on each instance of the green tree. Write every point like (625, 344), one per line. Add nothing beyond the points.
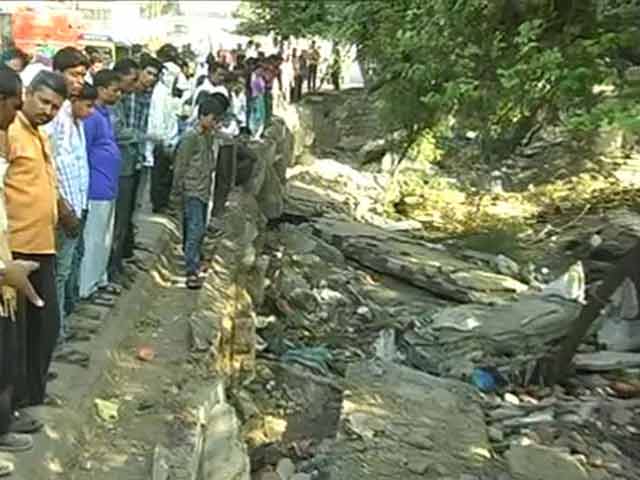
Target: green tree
(501, 68)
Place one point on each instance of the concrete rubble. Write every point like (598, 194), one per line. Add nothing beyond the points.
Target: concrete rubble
(351, 346)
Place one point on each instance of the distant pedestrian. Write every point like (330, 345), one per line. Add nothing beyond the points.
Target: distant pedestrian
(257, 106)
(314, 62)
(335, 69)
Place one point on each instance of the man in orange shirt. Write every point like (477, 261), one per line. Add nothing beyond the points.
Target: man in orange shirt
(31, 201)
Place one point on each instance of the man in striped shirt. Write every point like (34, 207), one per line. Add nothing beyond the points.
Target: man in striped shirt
(66, 136)
(72, 168)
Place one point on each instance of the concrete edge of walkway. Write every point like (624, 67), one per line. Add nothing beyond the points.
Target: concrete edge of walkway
(222, 324)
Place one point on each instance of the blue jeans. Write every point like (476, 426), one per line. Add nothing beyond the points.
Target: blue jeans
(66, 253)
(194, 228)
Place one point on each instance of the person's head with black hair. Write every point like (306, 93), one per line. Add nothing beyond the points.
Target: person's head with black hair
(107, 84)
(10, 96)
(73, 65)
(82, 104)
(211, 112)
(129, 71)
(167, 53)
(150, 69)
(15, 59)
(96, 62)
(44, 97)
(217, 73)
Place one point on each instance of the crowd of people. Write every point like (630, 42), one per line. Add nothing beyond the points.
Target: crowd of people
(81, 141)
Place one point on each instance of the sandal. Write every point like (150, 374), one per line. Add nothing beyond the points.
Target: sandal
(22, 422)
(6, 468)
(15, 442)
(102, 300)
(77, 335)
(203, 271)
(53, 401)
(73, 357)
(111, 289)
(194, 282)
(143, 248)
(138, 264)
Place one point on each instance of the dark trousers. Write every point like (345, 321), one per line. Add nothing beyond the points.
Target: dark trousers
(8, 354)
(297, 88)
(268, 106)
(130, 240)
(312, 79)
(335, 80)
(161, 178)
(194, 228)
(123, 230)
(37, 333)
(232, 169)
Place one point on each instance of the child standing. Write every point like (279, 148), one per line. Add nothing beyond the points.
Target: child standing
(193, 179)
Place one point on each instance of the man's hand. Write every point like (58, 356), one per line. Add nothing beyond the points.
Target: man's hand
(68, 220)
(16, 275)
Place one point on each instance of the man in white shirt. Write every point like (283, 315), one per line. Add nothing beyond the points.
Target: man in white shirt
(163, 134)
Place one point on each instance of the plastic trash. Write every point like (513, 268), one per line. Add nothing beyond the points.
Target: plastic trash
(107, 411)
(314, 358)
(570, 286)
(487, 379)
(620, 331)
(385, 345)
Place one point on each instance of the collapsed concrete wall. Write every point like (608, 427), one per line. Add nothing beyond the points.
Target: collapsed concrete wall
(223, 323)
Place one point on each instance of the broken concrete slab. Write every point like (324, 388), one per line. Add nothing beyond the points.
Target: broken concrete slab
(535, 462)
(427, 266)
(461, 337)
(160, 463)
(605, 361)
(401, 423)
(224, 453)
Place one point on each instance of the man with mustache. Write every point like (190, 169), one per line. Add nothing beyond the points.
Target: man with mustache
(31, 201)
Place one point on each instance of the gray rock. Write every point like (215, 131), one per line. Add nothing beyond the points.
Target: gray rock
(269, 476)
(606, 361)
(621, 416)
(425, 266)
(271, 195)
(160, 463)
(534, 462)
(496, 434)
(420, 466)
(286, 469)
(224, 453)
(458, 335)
(409, 423)
(506, 266)
(301, 476)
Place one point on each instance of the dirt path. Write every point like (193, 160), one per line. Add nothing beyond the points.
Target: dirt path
(76, 443)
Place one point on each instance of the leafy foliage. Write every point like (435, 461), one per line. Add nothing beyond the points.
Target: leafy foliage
(500, 68)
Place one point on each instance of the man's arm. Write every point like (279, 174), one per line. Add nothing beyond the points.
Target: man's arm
(124, 134)
(185, 152)
(62, 150)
